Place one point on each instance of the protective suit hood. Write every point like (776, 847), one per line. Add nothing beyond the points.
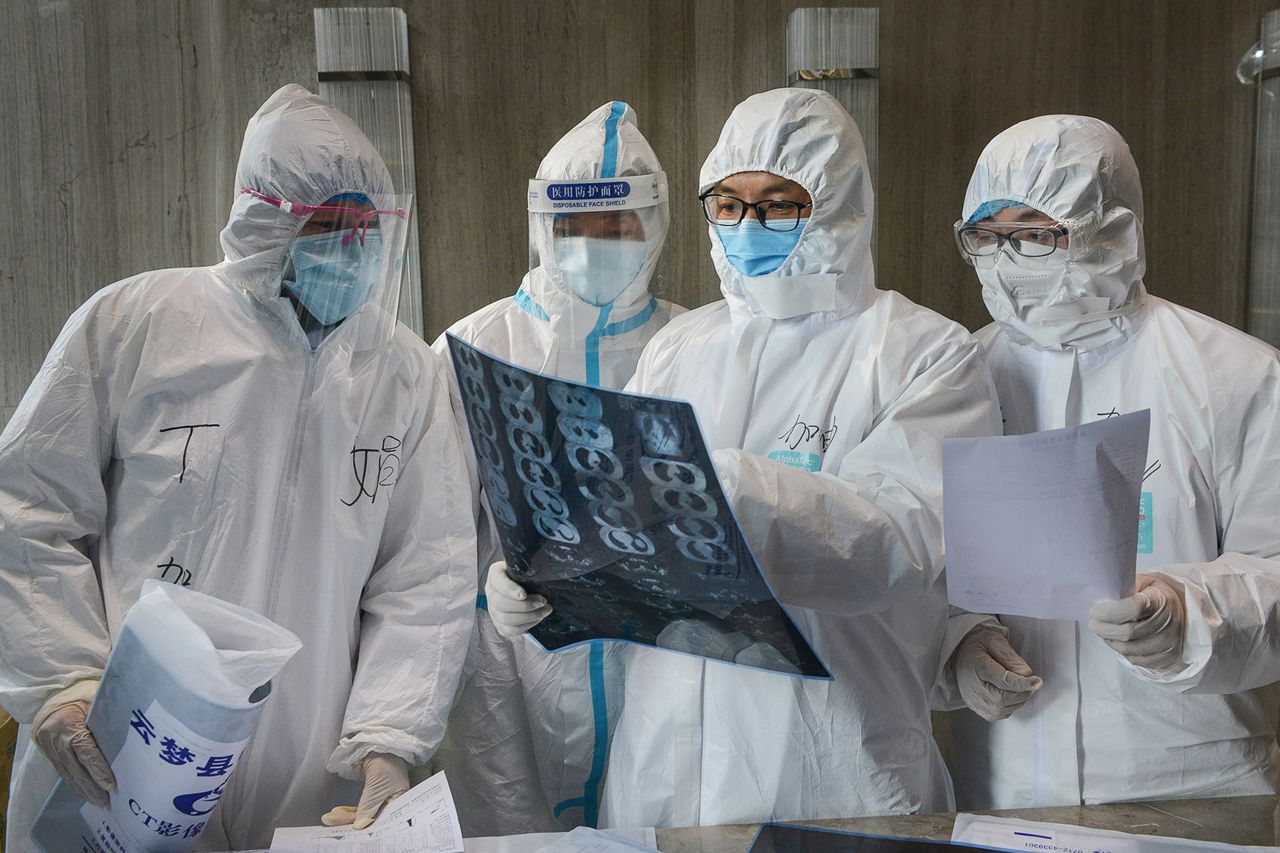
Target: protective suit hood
(605, 144)
(1078, 170)
(184, 412)
(555, 713)
(806, 136)
(300, 148)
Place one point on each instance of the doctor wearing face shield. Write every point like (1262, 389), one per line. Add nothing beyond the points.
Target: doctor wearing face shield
(528, 738)
(825, 401)
(1169, 693)
(265, 425)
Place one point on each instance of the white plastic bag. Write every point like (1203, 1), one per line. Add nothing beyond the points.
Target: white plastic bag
(180, 697)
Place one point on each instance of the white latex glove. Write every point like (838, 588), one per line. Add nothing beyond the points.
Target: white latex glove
(512, 610)
(994, 680)
(385, 778)
(725, 461)
(1147, 628)
(66, 741)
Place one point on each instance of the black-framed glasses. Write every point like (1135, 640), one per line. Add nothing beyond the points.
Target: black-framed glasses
(727, 211)
(1030, 241)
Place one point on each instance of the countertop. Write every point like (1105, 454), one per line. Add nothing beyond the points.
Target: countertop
(1234, 820)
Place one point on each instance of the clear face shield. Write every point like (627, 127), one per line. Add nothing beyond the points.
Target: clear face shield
(596, 238)
(346, 264)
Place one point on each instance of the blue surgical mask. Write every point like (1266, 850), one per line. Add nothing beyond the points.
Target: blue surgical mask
(597, 270)
(755, 250)
(331, 280)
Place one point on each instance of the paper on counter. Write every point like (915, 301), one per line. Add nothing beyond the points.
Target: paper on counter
(1044, 524)
(646, 839)
(1005, 833)
(422, 820)
(584, 839)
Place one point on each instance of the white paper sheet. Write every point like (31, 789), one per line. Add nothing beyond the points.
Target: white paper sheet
(1012, 834)
(584, 839)
(422, 820)
(1044, 524)
(647, 838)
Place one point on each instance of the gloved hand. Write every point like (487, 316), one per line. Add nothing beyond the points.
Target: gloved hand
(1147, 628)
(994, 680)
(66, 741)
(725, 461)
(512, 610)
(385, 778)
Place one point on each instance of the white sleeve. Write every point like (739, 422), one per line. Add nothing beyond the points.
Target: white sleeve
(1233, 625)
(868, 538)
(54, 456)
(644, 367)
(1233, 603)
(419, 603)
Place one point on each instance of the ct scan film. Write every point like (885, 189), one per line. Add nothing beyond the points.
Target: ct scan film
(606, 504)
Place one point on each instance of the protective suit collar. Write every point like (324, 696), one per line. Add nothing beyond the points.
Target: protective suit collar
(1079, 171)
(569, 319)
(806, 136)
(605, 144)
(297, 147)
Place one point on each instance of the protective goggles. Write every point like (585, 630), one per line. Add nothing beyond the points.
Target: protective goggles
(354, 220)
(1030, 241)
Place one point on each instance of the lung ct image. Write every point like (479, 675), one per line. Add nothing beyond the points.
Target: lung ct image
(607, 504)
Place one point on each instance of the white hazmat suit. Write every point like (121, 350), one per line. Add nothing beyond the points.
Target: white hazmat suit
(825, 401)
(528, 737)
(1093, 344)
(183, 428)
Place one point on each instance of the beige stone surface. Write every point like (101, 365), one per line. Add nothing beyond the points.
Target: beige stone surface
(1235, 820)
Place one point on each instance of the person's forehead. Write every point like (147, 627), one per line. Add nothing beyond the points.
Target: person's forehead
(598, 217)
(1019, 213)
(758, 182)
(343, 208)
(347, 201)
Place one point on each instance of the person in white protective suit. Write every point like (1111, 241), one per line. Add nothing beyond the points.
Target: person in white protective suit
(825, 401)
(527, 739)
(1187, 708)
(262, 431)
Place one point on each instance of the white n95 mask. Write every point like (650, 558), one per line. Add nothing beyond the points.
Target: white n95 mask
(596, 269)
(1032, 299)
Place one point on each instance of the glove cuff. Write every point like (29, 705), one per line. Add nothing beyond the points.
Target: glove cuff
(398, 763)
(980, 634)
(348, 759)
(79, 693)
(1197, 636)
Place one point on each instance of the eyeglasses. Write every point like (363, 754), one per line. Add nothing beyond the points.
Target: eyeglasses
(355, 221)
(774, 214)
(1030, 241)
